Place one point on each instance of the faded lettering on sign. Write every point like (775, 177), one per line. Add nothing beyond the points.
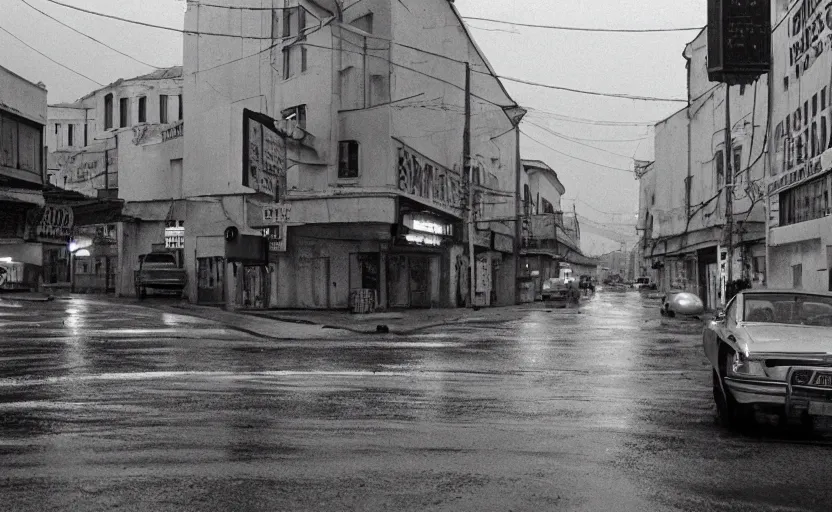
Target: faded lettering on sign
(423, 178)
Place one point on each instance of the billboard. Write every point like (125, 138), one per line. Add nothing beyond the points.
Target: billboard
(264, 155)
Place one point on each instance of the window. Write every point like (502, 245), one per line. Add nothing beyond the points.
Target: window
(143, 109)
(287, 62)
(297, 113)
(124, 112)
(163, 108)
(174, 234)
(364, 23)
(108, 111)
(301, 22)
(379, 91)
(57, 128)
(348, 159)
(86, 129)
(181, 108)
(807, 201)
(288, 18)
(547, 206)
(303, 62)
(21, 144)
(742, 89)
(70, 135)
(719, 164)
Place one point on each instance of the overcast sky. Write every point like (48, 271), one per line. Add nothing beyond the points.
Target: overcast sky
(639, 64)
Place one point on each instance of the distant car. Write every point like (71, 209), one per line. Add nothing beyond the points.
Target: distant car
(681, 303)
(159, 271)
(643, 283)
(772, 351)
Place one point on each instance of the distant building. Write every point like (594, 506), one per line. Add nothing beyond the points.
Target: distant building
(682, 193)
(551, 239)
(115, 157)
(26, 228)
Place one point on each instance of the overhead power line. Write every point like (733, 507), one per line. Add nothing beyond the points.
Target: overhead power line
(90, 37)
(591, 93)
(583, 120)
(50, 58)
(585, 29)
(160, 27)
(564, 137)
(575, 157)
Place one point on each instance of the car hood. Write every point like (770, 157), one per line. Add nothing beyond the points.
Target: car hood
(800, 339)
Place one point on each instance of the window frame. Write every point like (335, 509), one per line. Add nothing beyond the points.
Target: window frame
(287, 62)
(163, 108)
(108, 111)
(142, 109)
(70, 135)
(350, 159)
(124, 113)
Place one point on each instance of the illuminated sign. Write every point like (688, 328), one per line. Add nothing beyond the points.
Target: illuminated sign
(420, 239)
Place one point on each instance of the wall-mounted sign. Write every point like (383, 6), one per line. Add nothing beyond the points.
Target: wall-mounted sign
(264, 155)
(428, 181)
(56, 223)
(278, 212)
(427, 224)
(276, 235)
(810, 34)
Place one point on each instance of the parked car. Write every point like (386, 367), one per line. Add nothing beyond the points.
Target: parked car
(681, 303)
(644, 284)
(771, 351)
(159, 271)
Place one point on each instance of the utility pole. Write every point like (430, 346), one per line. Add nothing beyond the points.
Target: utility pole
(729, 190)
(518, 220)
(468, 169)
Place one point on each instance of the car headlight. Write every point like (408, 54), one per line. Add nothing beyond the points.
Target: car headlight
(742, 366)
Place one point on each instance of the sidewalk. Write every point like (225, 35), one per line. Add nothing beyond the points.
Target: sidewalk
(399, 322)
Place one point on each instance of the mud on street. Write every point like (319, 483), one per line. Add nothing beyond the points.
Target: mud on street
(605, 408)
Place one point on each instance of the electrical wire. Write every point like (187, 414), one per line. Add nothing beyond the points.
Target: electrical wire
(50, 58)
(584, 120)
(90, 37)
(586, 29)
(591, 93)
(575, 157)
(199, 3)
(564, 137)
(160, 27)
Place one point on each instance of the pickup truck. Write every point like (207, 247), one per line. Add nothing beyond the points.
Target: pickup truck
(159, 271)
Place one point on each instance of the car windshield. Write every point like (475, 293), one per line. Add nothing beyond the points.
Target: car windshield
(788, 308)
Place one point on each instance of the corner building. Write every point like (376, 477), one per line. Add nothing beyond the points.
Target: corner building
(336, 135)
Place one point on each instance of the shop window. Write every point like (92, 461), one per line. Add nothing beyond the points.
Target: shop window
(124, 112)
(108, 111)
(348, 158)
(297, 113)
(163, 108)
(143, 109)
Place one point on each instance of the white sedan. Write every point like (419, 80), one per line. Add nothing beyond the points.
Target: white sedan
(771, 351)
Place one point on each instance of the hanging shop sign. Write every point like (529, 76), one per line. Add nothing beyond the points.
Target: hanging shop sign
(429, 182)
(739, 40)
(272, 219)
(52, 224)
(264, 155)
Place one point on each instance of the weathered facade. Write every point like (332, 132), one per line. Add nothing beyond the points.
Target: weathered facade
(24, 229)
(339, 135)
(800, 148)
(682, 199)
(117, 156)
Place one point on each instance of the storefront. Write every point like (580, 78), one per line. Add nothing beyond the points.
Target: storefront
(419, 257)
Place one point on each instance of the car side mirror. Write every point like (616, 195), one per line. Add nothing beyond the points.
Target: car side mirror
(720, 315)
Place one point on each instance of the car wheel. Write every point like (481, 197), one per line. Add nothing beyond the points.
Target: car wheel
(671, 313)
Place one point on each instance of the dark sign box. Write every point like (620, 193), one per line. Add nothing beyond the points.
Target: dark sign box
(739, 40)
(248, 249)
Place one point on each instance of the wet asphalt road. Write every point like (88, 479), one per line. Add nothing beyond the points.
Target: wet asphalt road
(128, 408)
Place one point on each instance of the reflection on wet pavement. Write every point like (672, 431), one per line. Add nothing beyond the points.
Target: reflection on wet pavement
(603, 408)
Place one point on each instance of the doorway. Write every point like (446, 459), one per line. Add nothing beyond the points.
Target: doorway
(409, 281)
(210, 280)
(255, 287)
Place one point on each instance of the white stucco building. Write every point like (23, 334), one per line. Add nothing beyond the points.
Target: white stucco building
(117, 155)
(338, 132)
(22, 118)
(800, 138)
(682, 193)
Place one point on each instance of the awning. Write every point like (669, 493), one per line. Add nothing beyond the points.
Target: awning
(155, 210)
(18, 195)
